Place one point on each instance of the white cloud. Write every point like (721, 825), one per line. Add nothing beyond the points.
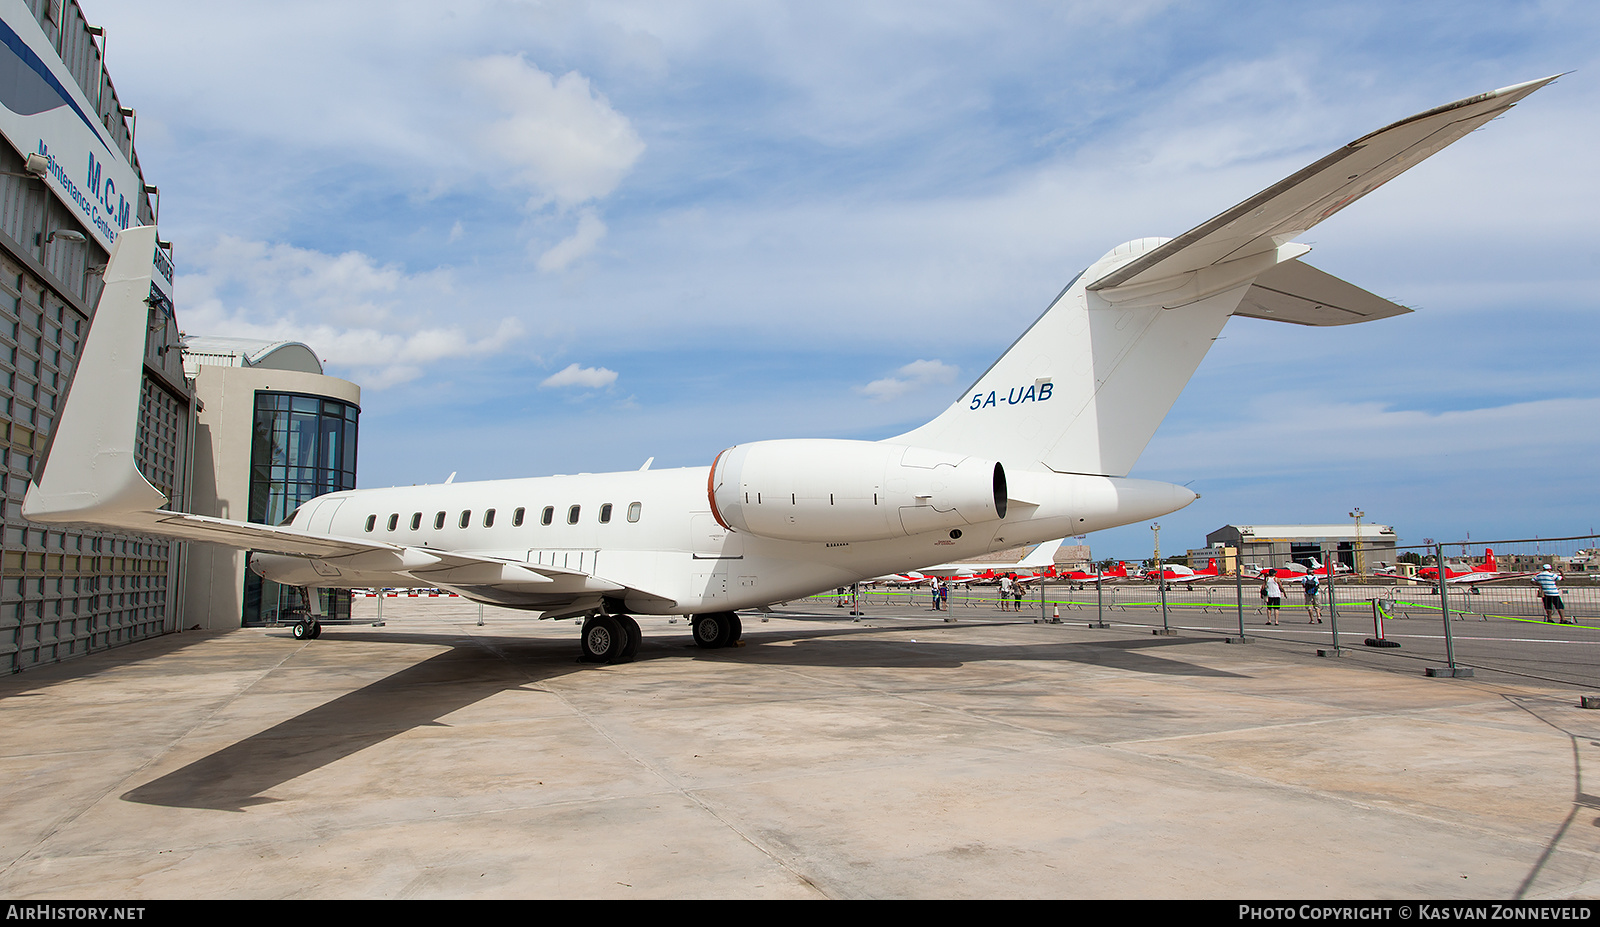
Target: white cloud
(586, 377)
(378, 320)
(914, 376)
(1271, 438)
(590, 231)
(560, 135)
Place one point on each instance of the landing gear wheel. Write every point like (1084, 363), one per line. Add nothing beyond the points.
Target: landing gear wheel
(302, 630)
(716, 629)
(630, 629)
(316, 629)
(736, 632)
(603, 640)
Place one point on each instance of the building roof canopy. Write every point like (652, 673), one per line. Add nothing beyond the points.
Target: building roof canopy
(220, 351)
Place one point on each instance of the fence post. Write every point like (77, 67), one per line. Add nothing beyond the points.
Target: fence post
(1333, 614)
(1450, 669)
(1161, 583)
(1238, 588)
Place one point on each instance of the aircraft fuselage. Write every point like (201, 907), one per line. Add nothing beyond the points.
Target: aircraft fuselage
(651, 539)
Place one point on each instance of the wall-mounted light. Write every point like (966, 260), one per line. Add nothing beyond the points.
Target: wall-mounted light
(66, 235)
(36, 166)
(128, 112)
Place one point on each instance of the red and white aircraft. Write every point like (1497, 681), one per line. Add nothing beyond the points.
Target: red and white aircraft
(1178, 573)
(1076, 576)
(1470, 576)
(1042, 556)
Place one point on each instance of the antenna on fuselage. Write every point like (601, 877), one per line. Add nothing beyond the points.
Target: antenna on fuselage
(452, 478)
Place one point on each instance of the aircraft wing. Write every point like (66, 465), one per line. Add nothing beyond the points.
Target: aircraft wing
(89, 476)
(1474, 579)
(1275, 216)
(1041, 556)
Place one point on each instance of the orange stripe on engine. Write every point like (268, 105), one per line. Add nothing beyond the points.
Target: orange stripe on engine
(711, 490)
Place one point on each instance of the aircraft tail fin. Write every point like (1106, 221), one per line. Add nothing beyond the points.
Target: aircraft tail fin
(1085, 387)
(1488, 561)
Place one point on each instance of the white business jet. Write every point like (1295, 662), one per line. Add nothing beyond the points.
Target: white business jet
(1038, 448)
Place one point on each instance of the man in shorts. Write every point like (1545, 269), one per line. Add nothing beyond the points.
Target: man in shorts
(1310, 586)
(1546, 580)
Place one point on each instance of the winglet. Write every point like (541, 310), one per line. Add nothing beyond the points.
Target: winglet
(92, 468)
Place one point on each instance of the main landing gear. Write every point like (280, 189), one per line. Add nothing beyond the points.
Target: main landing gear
(717, 629)
(610, 639)
(615, 638)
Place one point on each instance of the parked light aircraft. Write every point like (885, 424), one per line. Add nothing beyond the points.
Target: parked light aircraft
(1080, 578)
(1042, 555)
(1178, 573)
(1472, 575)
(1038, 448)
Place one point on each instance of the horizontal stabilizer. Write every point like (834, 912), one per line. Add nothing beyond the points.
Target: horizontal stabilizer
(1297, 292)
(1289, 207)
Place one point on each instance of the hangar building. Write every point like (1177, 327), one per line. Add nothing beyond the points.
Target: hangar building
(265, 431)
(1270, 545)
(69, 181)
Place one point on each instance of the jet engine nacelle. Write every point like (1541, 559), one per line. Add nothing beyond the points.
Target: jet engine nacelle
(830, 490)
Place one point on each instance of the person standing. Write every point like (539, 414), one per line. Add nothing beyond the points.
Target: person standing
(1311, 586)
(1273, 592)
(1546, 580)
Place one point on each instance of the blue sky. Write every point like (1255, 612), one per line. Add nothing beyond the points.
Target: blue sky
(562, 237)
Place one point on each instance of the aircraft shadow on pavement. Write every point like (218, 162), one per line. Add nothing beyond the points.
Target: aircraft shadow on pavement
(237, 776)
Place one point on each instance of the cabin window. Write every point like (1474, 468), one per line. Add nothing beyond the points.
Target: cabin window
(516, 517)
(438, 521)
(548, 516)
(572, 514)
(466, 518)
(372, 522)
(488, 518)
(605, 514)
(633, 511)
(394, 522)
(416, 520)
